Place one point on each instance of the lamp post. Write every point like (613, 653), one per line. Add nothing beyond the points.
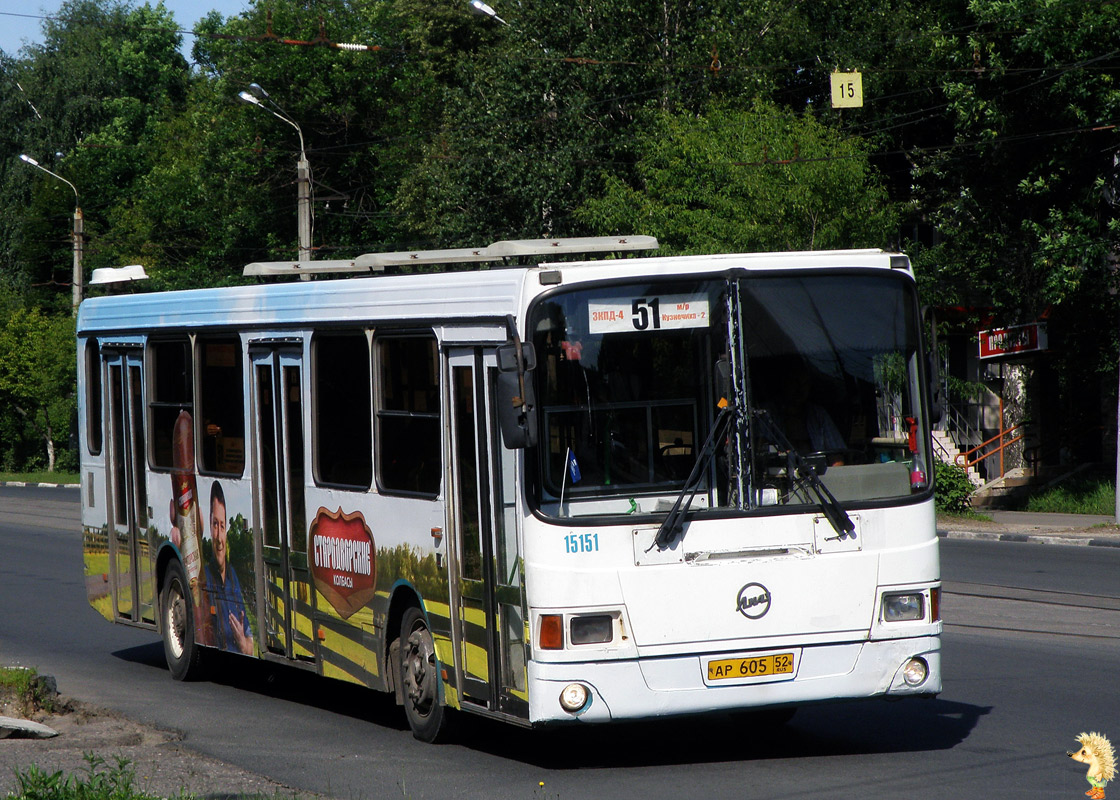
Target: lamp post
(256, 96)
(480, 8)
(76, 282)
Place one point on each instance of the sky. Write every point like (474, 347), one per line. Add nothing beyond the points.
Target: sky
(21, 20)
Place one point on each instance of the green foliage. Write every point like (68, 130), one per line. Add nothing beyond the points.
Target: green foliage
(985, 146)
(24, 688)
(38, 374)
(91, 93)
(711, 184)
(1020, 204)
(952, 488)
(60, 475)
(101, 782)
(1079, 497)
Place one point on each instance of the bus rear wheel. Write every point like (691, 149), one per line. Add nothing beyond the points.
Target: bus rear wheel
(180, 647)
(427, 716)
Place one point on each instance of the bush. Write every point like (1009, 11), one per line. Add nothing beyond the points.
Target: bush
(952, 489)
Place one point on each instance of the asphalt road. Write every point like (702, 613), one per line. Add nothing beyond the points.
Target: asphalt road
(1031, 659)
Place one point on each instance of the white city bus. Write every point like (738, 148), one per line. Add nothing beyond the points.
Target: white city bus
(577, 491)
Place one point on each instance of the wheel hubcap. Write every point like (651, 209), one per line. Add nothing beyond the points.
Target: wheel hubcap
(419, 671)
(176, 621)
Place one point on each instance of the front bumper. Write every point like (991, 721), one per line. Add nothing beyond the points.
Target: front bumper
(654, 687)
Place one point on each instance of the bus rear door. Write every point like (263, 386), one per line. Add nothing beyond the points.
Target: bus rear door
(130, 555)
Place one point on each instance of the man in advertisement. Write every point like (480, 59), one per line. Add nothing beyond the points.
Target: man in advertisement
(232, 630)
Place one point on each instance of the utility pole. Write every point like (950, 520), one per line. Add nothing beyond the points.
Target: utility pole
(303, 178)
(78, 280)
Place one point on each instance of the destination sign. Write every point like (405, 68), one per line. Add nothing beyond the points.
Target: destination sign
(647, 314)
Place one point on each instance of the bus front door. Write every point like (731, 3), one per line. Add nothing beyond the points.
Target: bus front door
(130, 551)
(281, 519)
(489, 610)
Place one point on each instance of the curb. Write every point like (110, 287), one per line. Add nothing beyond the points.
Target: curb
(1030, 538)
(42, 485)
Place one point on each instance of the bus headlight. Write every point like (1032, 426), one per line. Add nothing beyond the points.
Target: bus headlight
(574, 697)
(592, 629)
(903, 607)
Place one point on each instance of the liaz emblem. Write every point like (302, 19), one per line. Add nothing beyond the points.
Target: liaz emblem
(753, 601)
(343, 560)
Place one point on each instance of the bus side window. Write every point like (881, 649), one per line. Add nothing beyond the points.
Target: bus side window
(408, 430)
(93, 397)
(172, 392)
(221, 405)
(341, 409)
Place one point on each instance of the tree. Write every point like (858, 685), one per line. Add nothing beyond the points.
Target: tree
(38, 374)
(90, 95)
(1022, 196)
(534, 114)
(747, 180)
(1019, 196)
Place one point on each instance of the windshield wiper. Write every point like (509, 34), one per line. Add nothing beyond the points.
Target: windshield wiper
(673, 523)
(800, 470)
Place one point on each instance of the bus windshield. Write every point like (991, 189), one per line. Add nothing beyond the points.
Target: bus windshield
(824, 364)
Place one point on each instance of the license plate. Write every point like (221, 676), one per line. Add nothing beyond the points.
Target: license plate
(756, 667)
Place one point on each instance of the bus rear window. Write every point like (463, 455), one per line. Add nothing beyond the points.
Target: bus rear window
(93, 397)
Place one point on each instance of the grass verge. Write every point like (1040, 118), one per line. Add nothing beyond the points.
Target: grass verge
(964, 516)
(23, 689)
(1077, 497)
(40, 477)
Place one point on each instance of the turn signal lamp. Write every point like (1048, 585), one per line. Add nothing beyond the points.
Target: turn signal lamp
(935, 604)
(551, 633)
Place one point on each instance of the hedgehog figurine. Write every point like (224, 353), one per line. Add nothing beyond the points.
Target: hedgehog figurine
(1097, 752)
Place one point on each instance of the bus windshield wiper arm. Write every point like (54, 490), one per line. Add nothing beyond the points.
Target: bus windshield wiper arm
(674, 521)
(801, 470)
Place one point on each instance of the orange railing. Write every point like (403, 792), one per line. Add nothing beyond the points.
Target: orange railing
(965, 459)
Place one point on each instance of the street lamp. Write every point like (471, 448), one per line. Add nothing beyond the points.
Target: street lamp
(257, 96)
(479, 7)
(76, 283)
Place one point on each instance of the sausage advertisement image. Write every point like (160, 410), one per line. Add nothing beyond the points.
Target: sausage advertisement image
(188, 519)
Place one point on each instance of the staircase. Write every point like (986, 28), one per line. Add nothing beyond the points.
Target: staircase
(946, 450)
(1011, 490)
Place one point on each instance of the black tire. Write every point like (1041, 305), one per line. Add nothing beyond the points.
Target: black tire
(422, 687)
(176, 608)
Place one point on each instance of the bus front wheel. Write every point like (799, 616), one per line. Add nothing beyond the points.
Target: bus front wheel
(180, 647)
(427, 716)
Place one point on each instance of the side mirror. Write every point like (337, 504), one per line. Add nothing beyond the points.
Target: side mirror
(508, 358)
(723, 379)
(517, 405)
